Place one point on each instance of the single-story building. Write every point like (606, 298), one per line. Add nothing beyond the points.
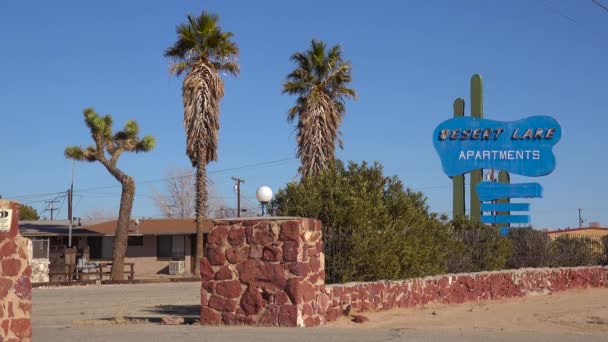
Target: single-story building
(153, 244)
(595, 232)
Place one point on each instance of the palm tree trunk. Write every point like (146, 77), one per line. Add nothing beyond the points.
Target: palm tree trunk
(201, 206)
(122, 228)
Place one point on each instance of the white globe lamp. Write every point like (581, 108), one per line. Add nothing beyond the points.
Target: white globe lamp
(263, 195)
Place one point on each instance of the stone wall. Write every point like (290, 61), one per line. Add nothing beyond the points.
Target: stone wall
(266, 272)
(270, 272)
(15, 286)
(39, 266)
(40, 270)
(458, 288)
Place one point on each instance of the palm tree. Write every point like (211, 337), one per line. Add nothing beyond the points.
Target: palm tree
(320, 81)
(202, 51)
(107, 148)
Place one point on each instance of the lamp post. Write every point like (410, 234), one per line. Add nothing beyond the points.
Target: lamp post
(263, 195)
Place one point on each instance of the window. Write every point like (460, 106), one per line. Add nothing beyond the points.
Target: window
(170, 247)
(40, 248)
(107, 247)
(94, 243)
(164, 247)
(100, 247)
(135, 241)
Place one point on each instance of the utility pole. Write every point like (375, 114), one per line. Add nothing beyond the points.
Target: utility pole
(238, 194)
(51, 207)
(70, 203)
(70, 217)
(580, 217)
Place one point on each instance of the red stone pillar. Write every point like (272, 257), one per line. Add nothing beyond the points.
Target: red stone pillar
(266, 272)
(15, 272)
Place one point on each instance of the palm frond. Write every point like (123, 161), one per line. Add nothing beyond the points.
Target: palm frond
(201, 40)
(320, 80)
(202, 90)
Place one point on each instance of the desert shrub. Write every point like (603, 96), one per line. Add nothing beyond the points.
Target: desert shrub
(605, 249)
(530, 248)
(373, 227)
(575, 251)
(477, 247)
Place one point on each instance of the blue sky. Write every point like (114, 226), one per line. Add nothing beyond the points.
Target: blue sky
(410, 59)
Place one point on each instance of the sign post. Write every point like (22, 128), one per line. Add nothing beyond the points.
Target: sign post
(472, 144)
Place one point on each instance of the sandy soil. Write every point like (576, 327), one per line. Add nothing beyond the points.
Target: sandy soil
(580, 312)
(130, 313)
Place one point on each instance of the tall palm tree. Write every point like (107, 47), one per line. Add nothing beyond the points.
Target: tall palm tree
(107, 148)
(202, 51)
(320, 81)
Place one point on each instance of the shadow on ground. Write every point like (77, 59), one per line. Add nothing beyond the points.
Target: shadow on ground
(186, 311)
(190, 313)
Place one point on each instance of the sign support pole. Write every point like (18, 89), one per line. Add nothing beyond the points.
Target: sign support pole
(458, 197)
(476, 175)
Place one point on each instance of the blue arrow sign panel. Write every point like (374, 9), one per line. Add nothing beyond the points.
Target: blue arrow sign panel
(522, 219)
(489, 191)
(505, 207)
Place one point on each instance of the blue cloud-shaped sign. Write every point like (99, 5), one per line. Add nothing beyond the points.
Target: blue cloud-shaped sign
(523, 147)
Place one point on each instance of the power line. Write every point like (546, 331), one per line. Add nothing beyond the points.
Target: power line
(558, 12)
(51, 208)
(605, 8)
(29, 196)
(49, 194)
(61, 206)
(262, 164)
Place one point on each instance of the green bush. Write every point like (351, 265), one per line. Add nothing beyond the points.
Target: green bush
(373, 227)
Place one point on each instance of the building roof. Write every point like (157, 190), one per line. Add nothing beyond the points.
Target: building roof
(567, 230)
(107, 228)
(53, 228)
(151, 227)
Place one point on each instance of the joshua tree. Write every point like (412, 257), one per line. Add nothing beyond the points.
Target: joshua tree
(320, 81)
(107, 148)
(202, 51)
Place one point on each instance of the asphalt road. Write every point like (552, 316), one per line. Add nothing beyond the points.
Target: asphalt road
(129, 313)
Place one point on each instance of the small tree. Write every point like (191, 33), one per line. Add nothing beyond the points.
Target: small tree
(107, 148)
(100, 214)
(28, 213)
(179, 198)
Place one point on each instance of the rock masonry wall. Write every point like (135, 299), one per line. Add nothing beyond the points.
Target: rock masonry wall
(270, 272)
(15, 286)
(264, 273)
(40, 270)
(458, 288)
(39, 266)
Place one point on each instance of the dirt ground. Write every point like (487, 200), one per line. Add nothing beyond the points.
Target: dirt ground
(132, 312)
(579, 312)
